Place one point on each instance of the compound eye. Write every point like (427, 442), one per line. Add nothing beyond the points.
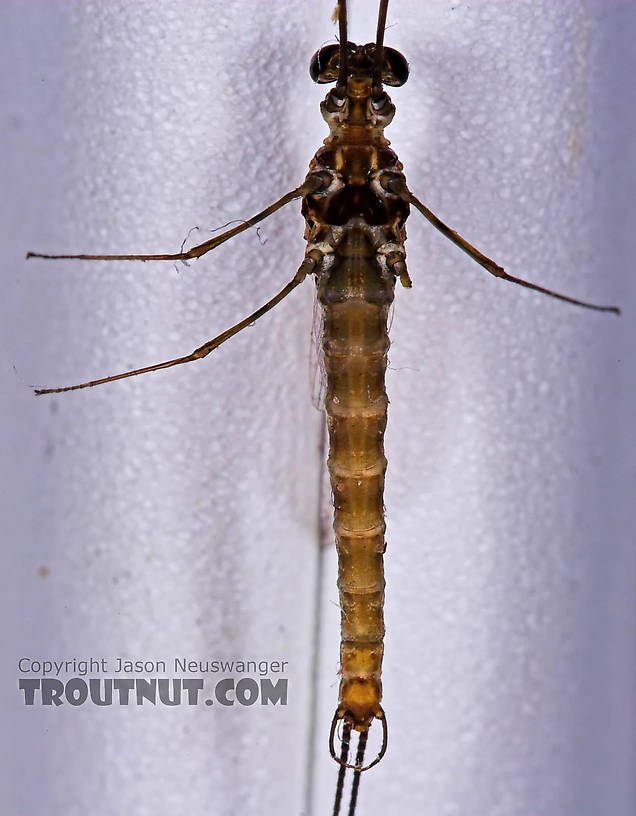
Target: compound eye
(323, 67)
(395, 71)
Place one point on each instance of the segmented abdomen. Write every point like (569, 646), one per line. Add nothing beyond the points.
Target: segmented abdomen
(356, 294)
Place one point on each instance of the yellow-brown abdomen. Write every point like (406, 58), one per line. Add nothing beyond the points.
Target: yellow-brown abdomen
(355, 297)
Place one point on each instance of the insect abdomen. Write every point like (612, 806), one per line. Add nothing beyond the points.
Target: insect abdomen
(355, 296)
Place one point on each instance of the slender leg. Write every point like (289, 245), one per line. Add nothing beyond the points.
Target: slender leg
(492, 267)
(396, 185)
(305, 268)
(306, 187)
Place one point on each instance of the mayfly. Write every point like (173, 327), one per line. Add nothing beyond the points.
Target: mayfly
(355, 200)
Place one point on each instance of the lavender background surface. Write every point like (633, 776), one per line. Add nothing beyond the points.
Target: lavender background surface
(179, 513)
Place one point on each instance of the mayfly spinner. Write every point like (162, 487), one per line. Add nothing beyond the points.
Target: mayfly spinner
(355, 201)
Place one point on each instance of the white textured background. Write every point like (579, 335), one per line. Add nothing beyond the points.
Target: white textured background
(178, 513)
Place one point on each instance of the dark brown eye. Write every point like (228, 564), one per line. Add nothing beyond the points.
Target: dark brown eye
(395, 70)
(324, 64)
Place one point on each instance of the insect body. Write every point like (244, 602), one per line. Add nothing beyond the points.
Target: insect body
(355, 232)
(355, 202)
